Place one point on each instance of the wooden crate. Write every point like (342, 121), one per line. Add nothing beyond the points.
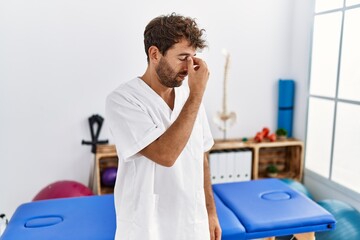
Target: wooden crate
(286, 159)
(105, 157)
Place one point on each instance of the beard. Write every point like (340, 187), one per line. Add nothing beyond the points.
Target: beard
(167, 75)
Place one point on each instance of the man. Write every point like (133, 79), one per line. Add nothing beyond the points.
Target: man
(161, 133)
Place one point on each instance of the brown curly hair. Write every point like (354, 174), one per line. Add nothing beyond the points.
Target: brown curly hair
(166, 30)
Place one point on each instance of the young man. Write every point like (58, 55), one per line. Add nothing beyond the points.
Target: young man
(161, 133)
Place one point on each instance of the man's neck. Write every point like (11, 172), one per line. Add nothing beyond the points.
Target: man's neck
(166, 93)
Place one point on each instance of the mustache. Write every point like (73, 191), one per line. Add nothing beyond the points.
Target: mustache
(184, 73)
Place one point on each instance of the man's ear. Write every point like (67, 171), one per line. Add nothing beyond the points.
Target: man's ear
(154, 54)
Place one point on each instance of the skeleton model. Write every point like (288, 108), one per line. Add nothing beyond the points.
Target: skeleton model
(225, 119)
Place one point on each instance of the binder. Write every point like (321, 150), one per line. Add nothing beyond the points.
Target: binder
(237, 166)
(214, 168)
(230, 166)
(246, 164)
(222, 167)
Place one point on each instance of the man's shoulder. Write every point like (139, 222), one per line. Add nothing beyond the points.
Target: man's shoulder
(126, 86)
(125, 89)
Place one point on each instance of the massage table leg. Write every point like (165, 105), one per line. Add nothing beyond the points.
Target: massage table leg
(305, 236)
(300, 236)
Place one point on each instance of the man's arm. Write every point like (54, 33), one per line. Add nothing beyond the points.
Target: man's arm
(214, 225)
(167, 148)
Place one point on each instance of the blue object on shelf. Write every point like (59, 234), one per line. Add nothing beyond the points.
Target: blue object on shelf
(286, 105)
(286, 93)
(285, 120)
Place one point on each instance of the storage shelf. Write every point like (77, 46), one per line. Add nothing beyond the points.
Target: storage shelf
(286, 154)
(105, 157)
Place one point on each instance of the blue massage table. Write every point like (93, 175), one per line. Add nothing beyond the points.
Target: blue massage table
(268, 207)
(246, 210)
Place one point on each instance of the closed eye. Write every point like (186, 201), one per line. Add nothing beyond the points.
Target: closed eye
(183, 58)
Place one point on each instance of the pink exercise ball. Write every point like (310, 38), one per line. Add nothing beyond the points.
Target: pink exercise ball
(63, 189)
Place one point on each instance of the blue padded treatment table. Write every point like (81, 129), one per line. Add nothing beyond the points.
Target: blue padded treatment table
(231, 227)
(80, 218)
(269, 207)
(246, 210)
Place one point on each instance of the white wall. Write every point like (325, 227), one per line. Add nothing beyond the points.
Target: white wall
(59, 59)
(301, 34)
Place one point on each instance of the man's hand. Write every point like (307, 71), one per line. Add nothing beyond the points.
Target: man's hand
(215, 229)
(160, 151)
(214, 225)
(198, 75)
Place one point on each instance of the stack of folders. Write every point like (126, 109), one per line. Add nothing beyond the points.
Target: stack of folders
(230, 165)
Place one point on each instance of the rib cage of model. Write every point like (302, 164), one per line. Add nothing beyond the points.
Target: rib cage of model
(224, 119)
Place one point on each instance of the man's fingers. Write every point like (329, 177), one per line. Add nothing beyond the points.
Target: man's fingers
(218, 234)
(212, 234)
(195, 63)
(199, 62)
(190, 63)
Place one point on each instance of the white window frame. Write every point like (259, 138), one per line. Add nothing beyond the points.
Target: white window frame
(328, 181)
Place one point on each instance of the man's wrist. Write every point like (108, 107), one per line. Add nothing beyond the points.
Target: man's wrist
(212, 214)
(195, 98)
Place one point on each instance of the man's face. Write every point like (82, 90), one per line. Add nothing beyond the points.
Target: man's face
(172, 68)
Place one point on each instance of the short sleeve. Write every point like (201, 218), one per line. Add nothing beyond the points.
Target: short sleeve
(131, 126)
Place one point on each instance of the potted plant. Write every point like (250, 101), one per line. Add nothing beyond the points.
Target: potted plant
(272, 170)
(281, 133)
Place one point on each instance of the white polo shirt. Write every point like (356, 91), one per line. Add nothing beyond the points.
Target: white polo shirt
(154, 202)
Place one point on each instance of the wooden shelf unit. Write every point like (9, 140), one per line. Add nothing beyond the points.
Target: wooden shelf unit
(287, 155)
(105, 156)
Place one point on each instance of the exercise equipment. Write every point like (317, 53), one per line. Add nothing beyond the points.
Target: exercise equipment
(95, 124)
(261, 135)
(3, 223)
(95, 120)
(348, 221)
(265, 134)
(297, 186)
(246, 210)
(286, 105)
(63, 189)
(108, 176)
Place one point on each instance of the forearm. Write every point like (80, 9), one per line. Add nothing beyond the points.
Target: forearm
(167, 148)
(161, 150)
(209, 197)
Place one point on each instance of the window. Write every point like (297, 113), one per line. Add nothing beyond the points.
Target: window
(333, 124)
(352, 2)
(325, 5)
(325, 54)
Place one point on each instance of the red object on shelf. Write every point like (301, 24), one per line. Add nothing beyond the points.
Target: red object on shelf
(265, 132)
(272, 137)
(259, 137)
